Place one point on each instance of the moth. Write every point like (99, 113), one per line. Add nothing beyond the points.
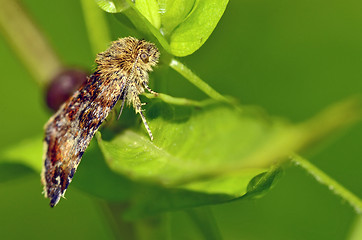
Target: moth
(121, 74)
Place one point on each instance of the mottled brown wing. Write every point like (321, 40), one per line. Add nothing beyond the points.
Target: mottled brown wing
(69, 132)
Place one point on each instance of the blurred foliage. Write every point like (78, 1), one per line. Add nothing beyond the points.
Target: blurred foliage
(293, 59)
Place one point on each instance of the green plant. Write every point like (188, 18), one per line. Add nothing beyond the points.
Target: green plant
(226, 151)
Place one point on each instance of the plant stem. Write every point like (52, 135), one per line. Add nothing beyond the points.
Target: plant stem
(97, 27)
(195, 80)
(356, 229)
(333, 185)
(205, 221)
(176, 101)
(28, 42)
(120, 228)
(154, 227)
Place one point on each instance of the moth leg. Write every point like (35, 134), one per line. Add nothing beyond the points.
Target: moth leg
(149, 89)
(146, 125)
(138, 107)
(120, 112)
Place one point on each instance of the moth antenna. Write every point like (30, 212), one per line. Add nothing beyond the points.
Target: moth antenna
(134, 66)
(124, 90)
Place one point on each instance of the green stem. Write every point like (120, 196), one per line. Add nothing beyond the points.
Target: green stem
(120, 228)
(333, 185)
(176, 101)
(28, 42)
(195, 80)
(205, 221)
(356, 229)
(97, 27)
(154, 227)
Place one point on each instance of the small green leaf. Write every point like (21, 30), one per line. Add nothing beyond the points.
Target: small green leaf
(196, 29)
(173, 13)
(112, 6)
(260, 184)
(144, 26)
(149, 9)
(144, 15)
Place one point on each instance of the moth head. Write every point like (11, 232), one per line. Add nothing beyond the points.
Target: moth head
(148, 54)
(144, 57)
(128, 51)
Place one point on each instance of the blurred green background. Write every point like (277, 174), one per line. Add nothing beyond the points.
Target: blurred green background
(291, 58)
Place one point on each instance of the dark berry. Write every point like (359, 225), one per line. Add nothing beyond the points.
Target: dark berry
(63, 86)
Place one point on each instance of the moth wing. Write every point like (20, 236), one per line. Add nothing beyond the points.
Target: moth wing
(69, 132)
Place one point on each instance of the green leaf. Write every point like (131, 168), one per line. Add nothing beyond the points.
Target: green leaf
(186, 165)
(144, 26)
(193, 148)
(174, 12)
(143, 15)
(149, 9)
(196, 29)
(112, 6)
(260, 184)
(95, 177)
(187, 24)
(211, 153)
